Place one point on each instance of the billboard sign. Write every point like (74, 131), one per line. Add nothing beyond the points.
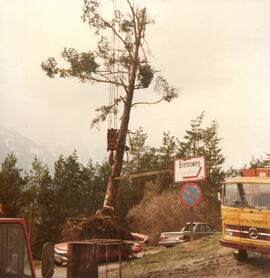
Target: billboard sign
(189, 169)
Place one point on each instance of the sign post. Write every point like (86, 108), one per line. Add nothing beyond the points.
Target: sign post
(187, 170)
(191, 223)
(190, 195)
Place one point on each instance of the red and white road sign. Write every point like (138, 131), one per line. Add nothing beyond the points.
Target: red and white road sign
(189, 169)
(190, 195)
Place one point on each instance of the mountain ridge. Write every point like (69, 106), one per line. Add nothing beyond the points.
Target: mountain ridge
(24, 148)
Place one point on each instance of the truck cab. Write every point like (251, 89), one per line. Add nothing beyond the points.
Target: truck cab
(15, 252)
(245, 213)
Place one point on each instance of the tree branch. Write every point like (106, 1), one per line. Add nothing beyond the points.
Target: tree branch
(124, 101)
(104, 80)
(133, 18)
(124, 85)
(118, 35)
(150, 103)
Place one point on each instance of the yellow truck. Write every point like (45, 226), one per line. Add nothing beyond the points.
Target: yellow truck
(245, 213)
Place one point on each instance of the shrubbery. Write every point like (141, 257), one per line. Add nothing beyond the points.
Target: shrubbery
(164, 213)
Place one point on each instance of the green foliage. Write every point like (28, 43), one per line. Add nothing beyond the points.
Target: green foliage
(78, 190)
(167, 150)
(46, 199)
(94, 178)
(260, 163)
(145, 158)
(162, 87)
(67, 182)
(136, 142)
(39, 206)
(232, 172)
(193, 142)
(145, 75)
(11, 187)
(166, 156)
(130, 193)
(81, 65)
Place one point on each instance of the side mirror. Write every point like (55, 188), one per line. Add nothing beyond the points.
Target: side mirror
(47, 260)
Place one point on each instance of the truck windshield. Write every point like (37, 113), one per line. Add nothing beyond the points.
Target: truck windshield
(254, 195)
(14, 261)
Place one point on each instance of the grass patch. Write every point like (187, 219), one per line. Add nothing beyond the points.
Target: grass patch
(169, 258)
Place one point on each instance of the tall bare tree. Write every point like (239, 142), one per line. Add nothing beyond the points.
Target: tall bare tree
(127, 67)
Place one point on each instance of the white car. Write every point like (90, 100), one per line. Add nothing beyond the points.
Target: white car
(200, 229)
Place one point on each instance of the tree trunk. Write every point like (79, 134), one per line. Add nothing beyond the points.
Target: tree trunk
(112, 187)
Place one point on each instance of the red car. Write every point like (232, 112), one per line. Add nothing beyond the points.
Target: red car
(137, 245)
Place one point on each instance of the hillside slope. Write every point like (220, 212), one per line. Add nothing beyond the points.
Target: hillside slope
(201, 258)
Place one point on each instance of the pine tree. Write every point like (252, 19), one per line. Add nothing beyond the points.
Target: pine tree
(213, 156)
(67, 183)
(94, 177)
(137, 148)
(11, 187)
(193, 140)
(167, 151)
(39, 196)
(127, 67)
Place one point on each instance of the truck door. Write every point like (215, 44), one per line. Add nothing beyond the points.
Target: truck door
(230, 213)
(14, 256)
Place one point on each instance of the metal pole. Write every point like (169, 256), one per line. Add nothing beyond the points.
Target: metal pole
(107, 260)
(191, 224)
(120, 259)
(191, 209)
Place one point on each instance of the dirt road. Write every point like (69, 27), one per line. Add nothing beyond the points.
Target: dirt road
(61, 271)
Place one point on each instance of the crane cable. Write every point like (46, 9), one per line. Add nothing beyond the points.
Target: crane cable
(114, 89)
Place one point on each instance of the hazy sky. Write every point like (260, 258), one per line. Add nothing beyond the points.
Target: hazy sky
(216, 51)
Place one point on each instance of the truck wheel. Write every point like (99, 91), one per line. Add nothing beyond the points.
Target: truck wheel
(242, 255)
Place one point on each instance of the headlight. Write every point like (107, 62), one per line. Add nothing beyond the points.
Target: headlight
(228, 233)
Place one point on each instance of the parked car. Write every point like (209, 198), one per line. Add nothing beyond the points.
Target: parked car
(138, 242)
(200, 229)
(137, 245)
